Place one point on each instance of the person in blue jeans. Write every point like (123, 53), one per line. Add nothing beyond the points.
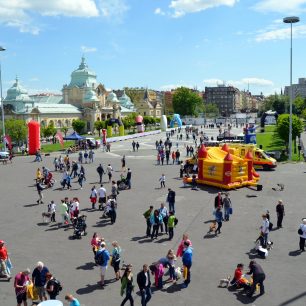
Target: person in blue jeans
(144, 284)
(219, 219)
(187, 263)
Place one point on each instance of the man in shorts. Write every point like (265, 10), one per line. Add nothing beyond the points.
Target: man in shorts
(39, 280)
(21, 281)
(102, 258)
(102, 195)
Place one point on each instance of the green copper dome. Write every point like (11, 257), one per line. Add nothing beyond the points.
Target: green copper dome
(125, 101)
(90, 96)
(83, 76)
(17, 93)
(112, 97)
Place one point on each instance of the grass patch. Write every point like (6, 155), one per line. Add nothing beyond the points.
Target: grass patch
(48, 148)
(270, 141)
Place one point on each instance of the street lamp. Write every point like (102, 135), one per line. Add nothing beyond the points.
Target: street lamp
(2, 107)
(290, 20)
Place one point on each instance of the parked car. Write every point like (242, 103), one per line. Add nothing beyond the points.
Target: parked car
(4, 155)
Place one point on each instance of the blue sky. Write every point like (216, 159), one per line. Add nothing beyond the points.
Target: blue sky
(156, 43)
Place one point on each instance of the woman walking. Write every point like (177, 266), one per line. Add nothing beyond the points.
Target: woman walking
(127, 286)
(116, 257)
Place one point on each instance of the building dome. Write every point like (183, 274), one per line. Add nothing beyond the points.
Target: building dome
(17, 93)
(90, 96)
(125, 101)
(112, 98)
(83, 76)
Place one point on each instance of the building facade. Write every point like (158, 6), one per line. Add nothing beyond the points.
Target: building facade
(298, 89)
(227, 98)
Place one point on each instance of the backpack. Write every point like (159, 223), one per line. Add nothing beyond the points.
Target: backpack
(112, 204)
(58, 286)
(49, 207)
(175, 221)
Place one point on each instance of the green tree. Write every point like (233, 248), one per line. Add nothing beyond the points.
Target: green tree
(304, 114)
(211, 108)
(78, 125)
(16, 129)
(186, 102)
(283, 127)
(64, 129)
(99, 125)
(49, 131)
(299, 105)
(277, 103)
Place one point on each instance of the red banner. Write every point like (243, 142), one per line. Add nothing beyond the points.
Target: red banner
(8, 141)
(60, 138)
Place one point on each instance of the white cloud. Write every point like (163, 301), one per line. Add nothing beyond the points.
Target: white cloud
(215, 82)
(281, 33)
(20, 13)
(281, 6)
(159, 11)
(182, 7)
(238, 83)
(34, 79)
(88, 49)
(114, 10)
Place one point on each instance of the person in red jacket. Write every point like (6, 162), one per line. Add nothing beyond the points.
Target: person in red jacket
(3, 261)
(181, 248)
(239, 281)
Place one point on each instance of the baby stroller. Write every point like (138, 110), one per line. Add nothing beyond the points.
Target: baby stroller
(122, 184)
(79, 225)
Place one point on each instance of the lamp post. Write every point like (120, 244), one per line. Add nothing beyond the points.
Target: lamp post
(290, 20)
(2, 107)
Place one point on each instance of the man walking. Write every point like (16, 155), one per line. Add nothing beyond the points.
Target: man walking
(265, 229)
(128, 178)
(147, 216)
(258, 277)
(102, 258)
(187, 263)
(280, 211)
(100, 171)
(227, 204)
(171, 200)
(39, 280)
(172, 221)
(102, 195)
(144, 284)
(40, 189)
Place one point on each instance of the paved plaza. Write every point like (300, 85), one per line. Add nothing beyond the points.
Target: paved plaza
(71, 261)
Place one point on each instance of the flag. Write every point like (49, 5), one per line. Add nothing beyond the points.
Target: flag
(60, 138)
(8, 141)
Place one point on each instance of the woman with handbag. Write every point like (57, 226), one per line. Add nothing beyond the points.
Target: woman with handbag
(302, 233)
(127, 286)
(116, 259)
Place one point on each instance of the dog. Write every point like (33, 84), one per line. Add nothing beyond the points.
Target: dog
(224, 281)
(281, 187)
(212, 227)
(45, 216)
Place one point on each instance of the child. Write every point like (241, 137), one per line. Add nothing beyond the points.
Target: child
(162, 181)
(159, 272)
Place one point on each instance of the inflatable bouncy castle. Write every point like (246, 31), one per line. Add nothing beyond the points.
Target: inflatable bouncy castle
(218, 167)
(139, 124)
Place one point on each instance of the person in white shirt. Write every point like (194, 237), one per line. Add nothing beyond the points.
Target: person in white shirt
(303, 235)
(162, 181)
(75, 207)
(102, 195)
(52, 210)
(109, 170)
(265, 229)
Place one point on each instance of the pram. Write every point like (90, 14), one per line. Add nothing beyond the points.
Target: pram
(79, 225)
(122, 184)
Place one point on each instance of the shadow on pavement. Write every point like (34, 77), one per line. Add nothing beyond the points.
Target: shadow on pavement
(31, 205)
(138, 238)
(86, 266)
(42, 223)
(252, 254)
(88, 289)
(290, 301)
(294, 253)
(173, 288)
(102, 223)
(162, 240)
(244, 299)
(209, 236)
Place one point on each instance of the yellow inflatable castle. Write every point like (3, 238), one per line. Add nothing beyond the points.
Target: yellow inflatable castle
(218, 167)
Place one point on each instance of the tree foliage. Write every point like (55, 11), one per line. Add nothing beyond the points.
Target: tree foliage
(99, 125)
(186, 102)
(16, 129)
(78, 125)
(283, 127)
(64, 129)
(49, 130)
(299, 105)
(276, 103)
(211, 108)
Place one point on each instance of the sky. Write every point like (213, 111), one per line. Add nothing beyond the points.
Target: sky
(159, 44)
